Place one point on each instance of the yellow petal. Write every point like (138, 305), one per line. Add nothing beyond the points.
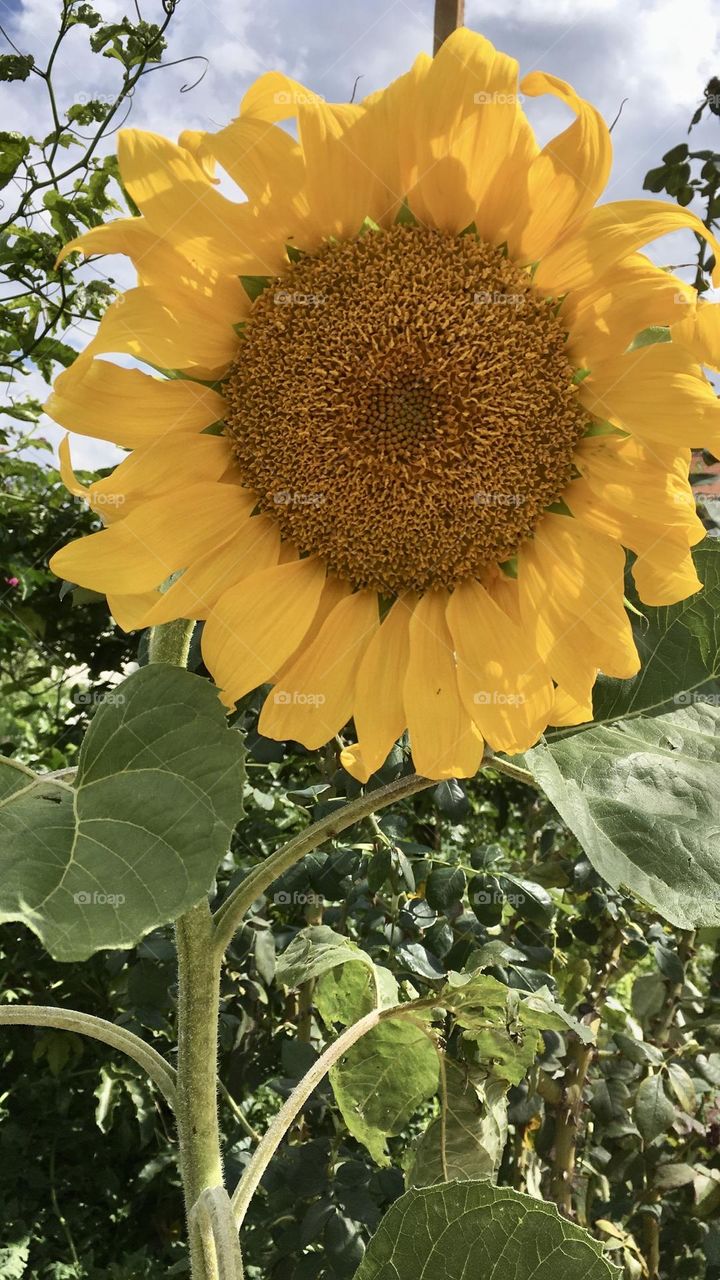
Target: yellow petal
(263, 160)
(611, 232)
(254, 627)
(130, 408)
(699, 331)
(445, 742)
(334, 590)
(251, 548)
(130, 610)
(658, 392)
(665, 572)
(567, 177)
(566, 711)
(603, 318)
(150, 471)
(153, 541)
(314, 698)
(171, 330)
(181, 204)
(571, 594)
(646, 482)
(468, 116)
(275, 96)
(378, 707)
(503, 682)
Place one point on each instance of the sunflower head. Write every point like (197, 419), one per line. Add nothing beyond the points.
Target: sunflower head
(406, 439)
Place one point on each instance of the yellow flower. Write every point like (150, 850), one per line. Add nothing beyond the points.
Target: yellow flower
(406, 438)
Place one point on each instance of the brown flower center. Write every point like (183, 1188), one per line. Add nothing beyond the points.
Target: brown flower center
(404, 406)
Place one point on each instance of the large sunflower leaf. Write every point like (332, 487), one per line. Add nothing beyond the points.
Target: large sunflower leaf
(138, 837)
(679, 648)
(643, 798)
(458, 1230)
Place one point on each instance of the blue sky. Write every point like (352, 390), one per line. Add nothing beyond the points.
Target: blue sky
(658, 54)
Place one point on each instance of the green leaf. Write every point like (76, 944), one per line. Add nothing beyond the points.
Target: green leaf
(642, 797)
(138, 838)
(653, 1111)
(13, 149)
(679, 648)
(468, 1138)
(16, 66)
(381, 1081)
(313, 952)
(463, 1230)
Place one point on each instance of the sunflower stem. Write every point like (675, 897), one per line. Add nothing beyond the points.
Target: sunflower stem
(197, 1035)
(170, 643)
(197, 1103)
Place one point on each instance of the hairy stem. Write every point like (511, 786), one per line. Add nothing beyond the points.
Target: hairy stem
(171, 642)
(154, 1066)
(197, 1101)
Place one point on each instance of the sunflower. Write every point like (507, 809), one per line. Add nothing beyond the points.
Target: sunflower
(394, 436)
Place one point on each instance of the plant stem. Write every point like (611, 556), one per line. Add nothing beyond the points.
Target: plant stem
(449, 14)
(171, 642)
(235, 907)
(159, 1071)
(262, 1156)
(197, 1104)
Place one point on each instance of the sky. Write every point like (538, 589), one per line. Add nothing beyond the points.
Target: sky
(656, 54)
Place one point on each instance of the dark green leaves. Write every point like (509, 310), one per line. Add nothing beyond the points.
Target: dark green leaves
(13, 149)
(642, 797)
(16, 66)
(136, 841)
(463, 1230)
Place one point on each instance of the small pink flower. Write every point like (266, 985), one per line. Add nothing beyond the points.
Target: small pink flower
(13, 582)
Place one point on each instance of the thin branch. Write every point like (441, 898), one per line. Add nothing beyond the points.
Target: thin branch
(449, 15)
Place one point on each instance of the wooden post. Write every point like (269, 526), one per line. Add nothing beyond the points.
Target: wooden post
(449, 14)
